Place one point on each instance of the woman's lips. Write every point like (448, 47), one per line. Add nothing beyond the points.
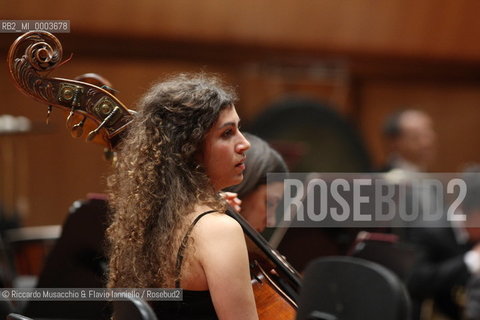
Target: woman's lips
(241, 166)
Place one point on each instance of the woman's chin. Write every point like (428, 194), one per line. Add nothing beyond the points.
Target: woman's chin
(237, 180)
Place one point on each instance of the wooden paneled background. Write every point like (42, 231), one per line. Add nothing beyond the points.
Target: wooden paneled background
(366, 57)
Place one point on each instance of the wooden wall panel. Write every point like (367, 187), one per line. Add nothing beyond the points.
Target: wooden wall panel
(441, 29)
(261, 84)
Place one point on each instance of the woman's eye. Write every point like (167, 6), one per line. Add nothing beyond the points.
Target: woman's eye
(227, 133)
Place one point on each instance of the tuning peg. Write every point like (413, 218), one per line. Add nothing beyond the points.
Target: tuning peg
(71, 94)
(69, 121)
(49, 112)
(77, 130)
(109, 89)
(93, 133)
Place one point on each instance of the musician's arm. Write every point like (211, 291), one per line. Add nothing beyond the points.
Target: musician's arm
(223, 255)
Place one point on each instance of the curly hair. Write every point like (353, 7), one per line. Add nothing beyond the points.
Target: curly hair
(157, 180)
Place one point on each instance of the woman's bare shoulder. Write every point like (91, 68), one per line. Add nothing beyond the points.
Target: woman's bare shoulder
(217, 223)
(220, 233)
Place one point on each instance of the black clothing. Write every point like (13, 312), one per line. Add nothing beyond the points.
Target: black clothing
(440, 272)
(196, 305)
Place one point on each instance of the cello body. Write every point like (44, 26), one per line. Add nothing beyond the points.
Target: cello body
(271, 301)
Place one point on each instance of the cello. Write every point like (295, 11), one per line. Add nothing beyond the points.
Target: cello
(95, 114)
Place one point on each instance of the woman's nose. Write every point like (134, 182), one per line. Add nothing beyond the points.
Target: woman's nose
(243, 145)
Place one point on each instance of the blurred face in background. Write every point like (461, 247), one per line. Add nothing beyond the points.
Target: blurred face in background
(417, 140)
(259, 203)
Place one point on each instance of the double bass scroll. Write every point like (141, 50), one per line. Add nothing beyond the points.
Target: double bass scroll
(93, 113)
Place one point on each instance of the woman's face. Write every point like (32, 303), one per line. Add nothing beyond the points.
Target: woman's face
(224, 150)
(258, 204)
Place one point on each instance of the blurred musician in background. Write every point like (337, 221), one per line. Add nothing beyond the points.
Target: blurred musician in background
(411, 141)
(449, 256)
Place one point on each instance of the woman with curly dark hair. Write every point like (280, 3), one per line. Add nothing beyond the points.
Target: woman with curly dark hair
(168, 228)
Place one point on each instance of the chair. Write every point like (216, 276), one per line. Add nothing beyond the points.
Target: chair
(7, 268)
(76, 261)
(386, 250)
(6, 307)
(16, 316)
(133, 309)
(347, 288)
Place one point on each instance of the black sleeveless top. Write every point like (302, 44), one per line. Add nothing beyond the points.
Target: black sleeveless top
(196, 305)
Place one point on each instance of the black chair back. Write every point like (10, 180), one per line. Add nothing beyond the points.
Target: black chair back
(386, 250)
(6, 307)
(347, 288)
(133, 309)
(16, 316)
(76, 261)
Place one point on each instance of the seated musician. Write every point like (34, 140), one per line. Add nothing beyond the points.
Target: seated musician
(168, 228)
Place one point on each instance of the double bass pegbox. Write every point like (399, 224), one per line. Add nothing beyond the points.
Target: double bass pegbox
(31, 59)
(70, 94)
